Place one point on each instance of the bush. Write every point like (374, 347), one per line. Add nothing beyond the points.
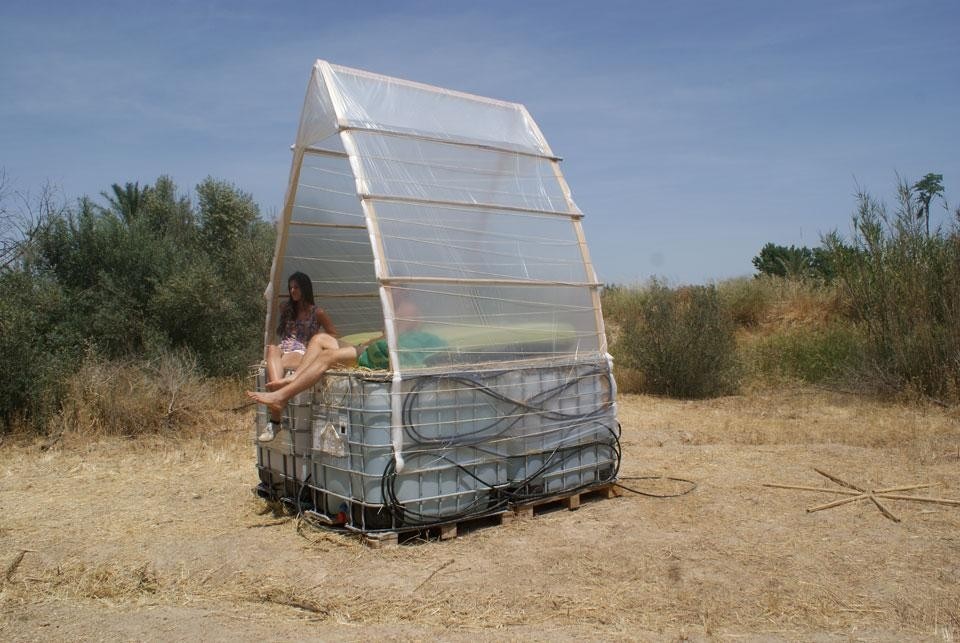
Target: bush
(135, 397)
(681, 341)
(160, 276)
(819, 355)
(144, 278)
(902, 286)
(37, 353)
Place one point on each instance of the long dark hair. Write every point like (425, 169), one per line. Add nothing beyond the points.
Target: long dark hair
(306, 290)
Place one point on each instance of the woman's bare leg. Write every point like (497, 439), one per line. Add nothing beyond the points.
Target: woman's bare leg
(289, 362)
(307, 375)
(317, 344)
(274, 363)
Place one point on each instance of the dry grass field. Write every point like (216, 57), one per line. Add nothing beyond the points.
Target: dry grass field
(161, 539)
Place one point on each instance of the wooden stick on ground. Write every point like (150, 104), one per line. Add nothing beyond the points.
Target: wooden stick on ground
(883, 509)
(432, 574)
(842, 483)
(939, 501)
(845, 492)
(908, 488)
(12, 567)
(836, 503)
(855, 493)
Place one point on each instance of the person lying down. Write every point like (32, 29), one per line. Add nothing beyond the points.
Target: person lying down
(324, 352)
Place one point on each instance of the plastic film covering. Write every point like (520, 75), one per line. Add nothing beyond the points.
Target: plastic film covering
(428, 170)
(498, 323)
(318, 119)
(327, 192)
(327, 239)
(372, 101)
(447, 241)
(450, 199)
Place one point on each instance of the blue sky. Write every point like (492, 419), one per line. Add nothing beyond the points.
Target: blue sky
(692, 132)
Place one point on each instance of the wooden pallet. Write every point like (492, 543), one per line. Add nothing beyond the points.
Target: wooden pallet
(520, 511)
(569, 501)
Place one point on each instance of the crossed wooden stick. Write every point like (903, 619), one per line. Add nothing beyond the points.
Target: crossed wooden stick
(855, 493)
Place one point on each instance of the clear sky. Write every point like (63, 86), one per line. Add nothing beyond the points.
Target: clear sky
(692, 132)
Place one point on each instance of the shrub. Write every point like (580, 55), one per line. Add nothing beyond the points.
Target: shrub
(776, 302)
(903, 289)
(160, 277)
(682, 342)
(145, 277)
(621, 303)
(37, 353)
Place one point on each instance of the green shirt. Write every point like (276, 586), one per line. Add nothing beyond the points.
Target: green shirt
(413, 348)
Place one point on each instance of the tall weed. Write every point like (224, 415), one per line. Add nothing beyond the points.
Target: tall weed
(832, 354)
(748, 300)
(903, 289)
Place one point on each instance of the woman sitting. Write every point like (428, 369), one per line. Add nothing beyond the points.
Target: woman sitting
(300, 320)
(324, 352)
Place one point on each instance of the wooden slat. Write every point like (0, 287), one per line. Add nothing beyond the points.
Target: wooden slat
(485, 282)
(470, 205)
(444, 141)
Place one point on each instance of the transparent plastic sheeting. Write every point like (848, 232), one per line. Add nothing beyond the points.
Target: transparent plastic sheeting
(448, 241)
(474, 443)
(452, 200)
(409, 167)
(477, 325)
(371, 101)
(497, 323)
(327, 192)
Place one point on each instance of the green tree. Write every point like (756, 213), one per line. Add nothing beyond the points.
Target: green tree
(145, 278)
(167, 213)
(784, 261)
(929, 186)
(126, 201)
(37, 352)
(169, 277)
(226, 214)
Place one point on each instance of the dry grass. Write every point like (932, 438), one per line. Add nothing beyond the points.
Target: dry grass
(160, 538)
(133, 398)
(771, 304)
(803, 415)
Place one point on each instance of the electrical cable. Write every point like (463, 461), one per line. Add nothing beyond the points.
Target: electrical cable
(519, 491)
(693, 485)
(491, 498)
(535, 405)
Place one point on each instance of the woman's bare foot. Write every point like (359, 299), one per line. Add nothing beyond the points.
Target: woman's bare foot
(273, 401)
(273, 385)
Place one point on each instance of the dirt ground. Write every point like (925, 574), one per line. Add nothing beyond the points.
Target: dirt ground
(162, 539)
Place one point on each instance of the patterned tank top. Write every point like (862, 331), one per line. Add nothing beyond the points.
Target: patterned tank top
(295, 333)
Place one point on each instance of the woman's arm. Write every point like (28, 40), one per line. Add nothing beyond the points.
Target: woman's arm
(324, 320)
